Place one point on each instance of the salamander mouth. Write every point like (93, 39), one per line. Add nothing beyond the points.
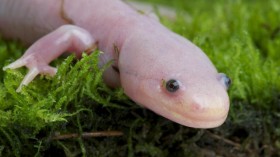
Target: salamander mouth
(202, 120)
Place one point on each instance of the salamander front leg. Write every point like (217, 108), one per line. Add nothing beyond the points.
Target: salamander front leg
(67, 38)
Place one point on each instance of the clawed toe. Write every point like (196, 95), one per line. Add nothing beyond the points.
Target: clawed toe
(32, 73)
(16, 64)
(28, 78)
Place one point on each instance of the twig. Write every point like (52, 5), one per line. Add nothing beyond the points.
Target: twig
(223, 139)
(88, 135)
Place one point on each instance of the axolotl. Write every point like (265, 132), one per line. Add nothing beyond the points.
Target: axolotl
(157, 68)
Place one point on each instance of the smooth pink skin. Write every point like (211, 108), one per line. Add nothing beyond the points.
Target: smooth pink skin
(149, 54)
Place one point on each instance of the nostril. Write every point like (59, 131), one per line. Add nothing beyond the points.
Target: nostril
(196, 107)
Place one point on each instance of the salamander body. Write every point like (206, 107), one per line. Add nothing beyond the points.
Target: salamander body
(157, 68)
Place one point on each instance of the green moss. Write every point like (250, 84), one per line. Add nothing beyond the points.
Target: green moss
(242, 38)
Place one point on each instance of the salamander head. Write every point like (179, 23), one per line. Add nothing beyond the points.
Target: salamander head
(175, 79)
(203, 105)
(194, 95)
(194, 100)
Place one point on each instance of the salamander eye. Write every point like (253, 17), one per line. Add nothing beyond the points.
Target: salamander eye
(172, 85)
(226, 80)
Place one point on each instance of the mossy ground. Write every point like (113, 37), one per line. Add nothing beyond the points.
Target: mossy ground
(242, 38)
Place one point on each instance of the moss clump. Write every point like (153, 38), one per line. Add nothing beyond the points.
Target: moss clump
(241, 38)
(48, 103)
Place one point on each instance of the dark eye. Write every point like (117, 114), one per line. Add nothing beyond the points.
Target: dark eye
(226, 80)
(172, 85)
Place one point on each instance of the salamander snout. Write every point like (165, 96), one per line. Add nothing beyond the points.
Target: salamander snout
(202, 102)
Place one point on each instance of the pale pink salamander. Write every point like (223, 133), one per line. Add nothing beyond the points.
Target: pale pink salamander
(156, 67)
